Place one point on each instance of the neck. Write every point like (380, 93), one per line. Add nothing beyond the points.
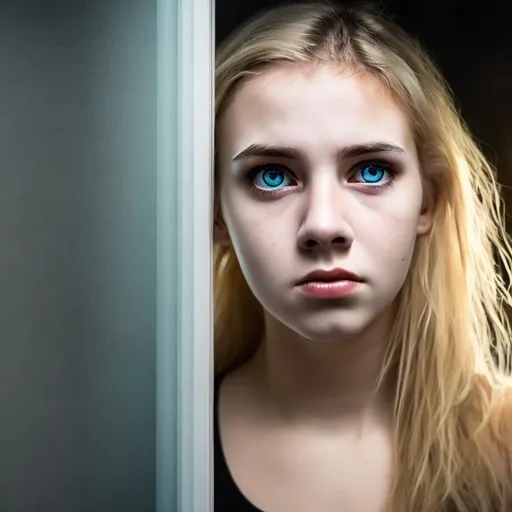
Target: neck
(325, 384)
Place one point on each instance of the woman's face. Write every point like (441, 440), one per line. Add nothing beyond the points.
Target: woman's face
(318, 170)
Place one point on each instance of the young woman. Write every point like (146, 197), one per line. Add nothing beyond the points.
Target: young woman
(361, 277)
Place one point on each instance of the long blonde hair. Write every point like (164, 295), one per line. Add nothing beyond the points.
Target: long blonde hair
(450, 346)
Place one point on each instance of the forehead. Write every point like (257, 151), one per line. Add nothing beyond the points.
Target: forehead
(311, 106)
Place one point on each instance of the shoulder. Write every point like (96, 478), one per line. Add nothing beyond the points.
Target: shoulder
(501, 422)
(506, 415)
(501, 414)
(487, 417)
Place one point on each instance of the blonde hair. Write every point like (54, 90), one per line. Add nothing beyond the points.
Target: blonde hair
(450, 346)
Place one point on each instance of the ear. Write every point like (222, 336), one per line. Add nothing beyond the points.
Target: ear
(220, 230)
(426, 218)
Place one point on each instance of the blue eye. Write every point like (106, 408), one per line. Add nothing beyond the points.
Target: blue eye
(372, 172)
(271, 177)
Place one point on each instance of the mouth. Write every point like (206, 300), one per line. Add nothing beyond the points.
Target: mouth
(329, 284)
(330, 276)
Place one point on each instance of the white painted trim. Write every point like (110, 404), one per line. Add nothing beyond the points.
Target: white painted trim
(184, 270)
(195, 173)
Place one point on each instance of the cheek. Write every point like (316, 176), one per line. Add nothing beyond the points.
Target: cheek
(389, 236)
(260, 238)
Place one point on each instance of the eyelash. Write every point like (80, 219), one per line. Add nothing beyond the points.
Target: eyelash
(358, 167)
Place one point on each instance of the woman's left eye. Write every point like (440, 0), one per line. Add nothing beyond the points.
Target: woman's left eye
(370, 173)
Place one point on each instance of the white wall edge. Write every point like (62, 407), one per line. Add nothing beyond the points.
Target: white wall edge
(195, 176)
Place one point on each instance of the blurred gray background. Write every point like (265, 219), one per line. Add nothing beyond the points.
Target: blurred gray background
(78, 253)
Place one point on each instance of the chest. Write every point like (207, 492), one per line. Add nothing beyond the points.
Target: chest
(300, 471)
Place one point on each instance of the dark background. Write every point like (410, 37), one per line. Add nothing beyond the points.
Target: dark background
(472, 45)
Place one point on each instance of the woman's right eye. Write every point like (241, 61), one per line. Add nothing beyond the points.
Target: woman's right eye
(270, 178)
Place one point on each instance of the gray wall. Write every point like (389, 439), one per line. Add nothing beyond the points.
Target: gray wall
(78, 253)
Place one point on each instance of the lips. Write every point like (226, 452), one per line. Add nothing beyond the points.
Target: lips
(329, 276)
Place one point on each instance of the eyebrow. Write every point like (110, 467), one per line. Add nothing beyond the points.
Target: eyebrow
(259, 150)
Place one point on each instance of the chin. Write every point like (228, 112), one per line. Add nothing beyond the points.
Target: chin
(331, 323)
(337, 323)
(330, 332)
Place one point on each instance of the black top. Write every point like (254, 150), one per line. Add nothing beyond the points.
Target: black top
(227, 496)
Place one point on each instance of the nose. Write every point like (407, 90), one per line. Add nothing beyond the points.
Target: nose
(325, 225)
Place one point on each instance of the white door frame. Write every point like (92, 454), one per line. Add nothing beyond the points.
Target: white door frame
(186, 45)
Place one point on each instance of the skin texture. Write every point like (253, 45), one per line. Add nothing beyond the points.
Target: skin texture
(314, 374)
